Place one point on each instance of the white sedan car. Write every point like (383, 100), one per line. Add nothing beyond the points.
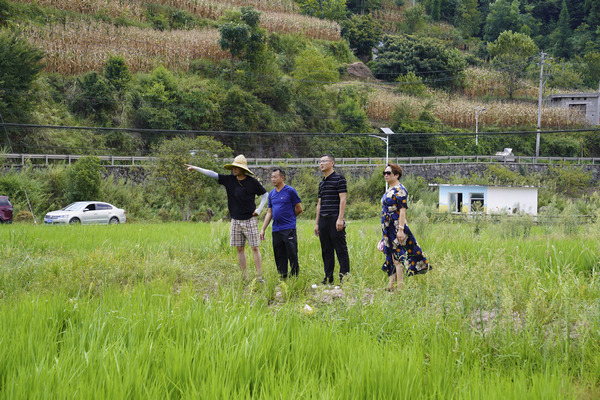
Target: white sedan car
(87, 212)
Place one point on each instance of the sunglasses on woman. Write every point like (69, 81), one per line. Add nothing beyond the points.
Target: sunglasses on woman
(387, 173)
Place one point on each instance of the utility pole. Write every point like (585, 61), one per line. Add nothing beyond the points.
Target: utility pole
(477, 111)
(539, 121)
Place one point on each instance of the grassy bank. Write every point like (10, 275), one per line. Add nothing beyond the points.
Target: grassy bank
(161, 311)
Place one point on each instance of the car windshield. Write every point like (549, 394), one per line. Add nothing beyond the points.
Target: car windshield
(75, 206)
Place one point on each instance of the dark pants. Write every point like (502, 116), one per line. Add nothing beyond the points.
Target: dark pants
(285, 247)
(332, 240)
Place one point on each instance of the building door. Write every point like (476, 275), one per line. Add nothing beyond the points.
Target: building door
(455, 202)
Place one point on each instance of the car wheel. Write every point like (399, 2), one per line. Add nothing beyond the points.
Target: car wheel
(75, 221)
(114, 220)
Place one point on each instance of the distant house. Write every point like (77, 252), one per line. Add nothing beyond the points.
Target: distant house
(586, 103)
(488, 199)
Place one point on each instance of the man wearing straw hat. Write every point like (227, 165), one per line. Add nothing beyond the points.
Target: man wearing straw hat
(242, 190)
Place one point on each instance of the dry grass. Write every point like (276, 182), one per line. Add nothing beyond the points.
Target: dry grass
(484, 82)
(277, 16)
(459, 112)
(79, 47)
(76, 46)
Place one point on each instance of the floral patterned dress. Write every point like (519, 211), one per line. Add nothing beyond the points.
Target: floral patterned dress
(408, 253)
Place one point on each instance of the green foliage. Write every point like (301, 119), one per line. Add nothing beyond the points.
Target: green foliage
(117, 72)
(83, 179)
(415, 18)
(505, 15)
(564, 75)
(20, 64)
(363, 6)
(353, 117)
(244, 112)
(328, 9)
(95, 98)
(511, 53)
(591, 142)
(406, 53)
(314, 69)
(468, 17)
(338, 50)
(363, 33)
(287, 48)
(411, 84)
(5, 12)
(560, 146)
(590, 68)
(403, 144)
(241, 35)
(501, 175)
(351, 110)
(161, 100)
(562, 33)
(186, 188)
(570, 181)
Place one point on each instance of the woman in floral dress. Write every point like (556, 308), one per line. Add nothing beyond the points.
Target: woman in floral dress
(402, 252)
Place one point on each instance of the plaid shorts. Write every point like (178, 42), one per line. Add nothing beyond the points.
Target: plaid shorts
(242, 230)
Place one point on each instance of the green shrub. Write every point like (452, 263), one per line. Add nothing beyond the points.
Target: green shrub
(411, 84)
(570, 180)
(83, 179)
(95, 98)
(20, 64)
(164, 215)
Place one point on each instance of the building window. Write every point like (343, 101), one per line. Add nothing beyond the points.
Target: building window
(477, 202)
(455, 202)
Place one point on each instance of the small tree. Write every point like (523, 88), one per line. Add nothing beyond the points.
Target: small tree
(511, 53)
(241, 35)
(504, 15)
(83, 179)
(20, 64)
(562, 33)
(95, 98)
(420, 55)
(169, 173)
(363, 33)
(116, 71)
(315, 69)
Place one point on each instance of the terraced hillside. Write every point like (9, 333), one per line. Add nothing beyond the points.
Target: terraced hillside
(80, 41)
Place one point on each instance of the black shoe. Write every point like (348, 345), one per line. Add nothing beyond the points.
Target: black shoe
(327, 280)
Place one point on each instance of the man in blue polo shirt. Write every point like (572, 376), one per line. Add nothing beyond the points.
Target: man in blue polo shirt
(283, 207)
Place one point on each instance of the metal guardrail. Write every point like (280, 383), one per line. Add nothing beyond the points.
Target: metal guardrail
(132, 161)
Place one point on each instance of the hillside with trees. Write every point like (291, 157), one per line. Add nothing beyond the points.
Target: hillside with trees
(275, 78)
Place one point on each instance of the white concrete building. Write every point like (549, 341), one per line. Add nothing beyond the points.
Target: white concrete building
(488, 199)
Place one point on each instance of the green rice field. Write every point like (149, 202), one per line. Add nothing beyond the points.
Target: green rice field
(511, 310)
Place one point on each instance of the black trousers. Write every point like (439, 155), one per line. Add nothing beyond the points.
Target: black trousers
(333, 240)
(285, 248)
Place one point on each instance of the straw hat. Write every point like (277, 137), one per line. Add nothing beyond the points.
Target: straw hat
(240, 162)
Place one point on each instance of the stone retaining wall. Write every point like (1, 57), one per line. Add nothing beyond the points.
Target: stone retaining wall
(428, 171)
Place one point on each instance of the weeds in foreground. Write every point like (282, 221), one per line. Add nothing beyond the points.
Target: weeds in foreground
(154, 310)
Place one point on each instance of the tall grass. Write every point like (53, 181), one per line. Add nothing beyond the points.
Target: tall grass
(161, 311)
(458, 112)
(76, 46)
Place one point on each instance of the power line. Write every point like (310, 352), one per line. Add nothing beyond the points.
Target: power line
(269, 133)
